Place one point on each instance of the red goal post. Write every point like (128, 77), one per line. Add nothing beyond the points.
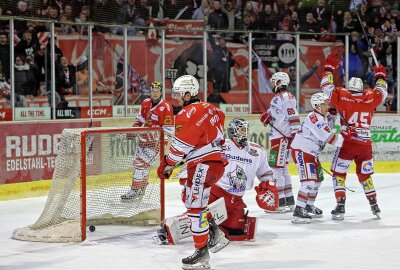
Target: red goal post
(94, 168)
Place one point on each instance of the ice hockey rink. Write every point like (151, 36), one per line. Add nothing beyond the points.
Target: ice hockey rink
(359, 242)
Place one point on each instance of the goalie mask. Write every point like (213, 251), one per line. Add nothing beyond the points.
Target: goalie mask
(355, 85)
(238, 131)
(319, 99)
(279, 81)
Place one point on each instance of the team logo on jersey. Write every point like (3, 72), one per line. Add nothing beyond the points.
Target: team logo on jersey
(178, 128)
(168, 120)
(237, 180)
(253, 152)
(190, 112)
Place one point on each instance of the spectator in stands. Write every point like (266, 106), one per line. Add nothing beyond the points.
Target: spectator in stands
(292, 75)
(21, 11)
(202, 12)
(27, 46)
(143, 13)
(217, 19)
(53, 13)
(347, 23)
(65, 27)
(250, 11)
(65, 83)
(322, 14)
(60, 6)
(310, 26)
(101, 13)
(294, 24)
(231, 12)
(388, 60)
(80, 28)
(221, 63)
(25, 81)
(268, 19)
(4, 56)
(68, 11)
(283, 33)
(5, 92)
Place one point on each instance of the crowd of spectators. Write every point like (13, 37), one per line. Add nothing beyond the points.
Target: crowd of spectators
(315, 19)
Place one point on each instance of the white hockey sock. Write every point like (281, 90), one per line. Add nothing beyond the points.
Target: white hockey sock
(313, 193)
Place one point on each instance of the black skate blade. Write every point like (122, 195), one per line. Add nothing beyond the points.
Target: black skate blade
(338, 217)
(200, 265)
(301, 220)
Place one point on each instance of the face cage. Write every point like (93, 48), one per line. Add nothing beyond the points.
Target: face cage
(238, 136)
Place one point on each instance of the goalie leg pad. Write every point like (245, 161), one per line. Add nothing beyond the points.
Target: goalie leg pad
(178, 227)
(249, 231)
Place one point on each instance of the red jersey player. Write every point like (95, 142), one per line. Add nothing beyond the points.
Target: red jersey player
(199, 136)
(356, 107)
(154, 112)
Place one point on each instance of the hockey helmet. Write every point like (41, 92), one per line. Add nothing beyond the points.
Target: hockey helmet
(156, 85)
(238, 131)
(185, 84)
(280, 80)
(318, 99)
(356, 85)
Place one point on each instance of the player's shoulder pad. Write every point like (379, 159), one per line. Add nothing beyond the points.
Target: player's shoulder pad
(313, 117)
(146, 102)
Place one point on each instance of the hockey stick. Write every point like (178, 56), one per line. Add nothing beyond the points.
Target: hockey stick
(355, 6)
(332, 177)
(280, 132)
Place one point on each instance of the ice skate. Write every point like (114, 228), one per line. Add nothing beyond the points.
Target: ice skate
(160, 237)
(199, 260)
(300, 216)
(217, 240)
(134, 193)
(338, 212)
(314, 212)
(290, 203)
(374, 207)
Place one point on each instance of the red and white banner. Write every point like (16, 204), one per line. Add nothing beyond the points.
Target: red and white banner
(28, 151)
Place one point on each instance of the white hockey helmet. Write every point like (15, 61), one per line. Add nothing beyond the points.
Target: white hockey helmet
(279, 79)
(318, 99)
(355, 85)
(184, 84)
(238, 131)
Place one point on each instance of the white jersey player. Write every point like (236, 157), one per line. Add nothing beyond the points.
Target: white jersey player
(285, 122)
(315, 133)
(247, 160)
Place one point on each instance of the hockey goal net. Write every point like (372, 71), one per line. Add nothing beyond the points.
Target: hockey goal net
(94, 168)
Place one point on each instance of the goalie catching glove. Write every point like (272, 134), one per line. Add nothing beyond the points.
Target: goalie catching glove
(164, 171)
(267, 196)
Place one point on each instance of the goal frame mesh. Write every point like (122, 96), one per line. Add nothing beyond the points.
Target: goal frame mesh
(29, 234)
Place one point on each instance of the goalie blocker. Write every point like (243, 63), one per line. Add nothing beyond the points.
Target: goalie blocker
(177, 228)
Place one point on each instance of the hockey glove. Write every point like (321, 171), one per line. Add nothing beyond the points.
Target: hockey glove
(332, 62)
(164, 171)
(267, 196)
(332, 111)
(348, 133)
(380, 72)
(266, 118)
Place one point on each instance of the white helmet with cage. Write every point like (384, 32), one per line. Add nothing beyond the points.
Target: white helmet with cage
(280, 79)
(184, 84)
(318, 99)
(355, 85)
(238, 131)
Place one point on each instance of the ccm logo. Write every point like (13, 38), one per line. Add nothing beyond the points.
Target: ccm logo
(98, 112)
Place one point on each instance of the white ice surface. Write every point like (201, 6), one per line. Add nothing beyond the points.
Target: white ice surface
(359, 242)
